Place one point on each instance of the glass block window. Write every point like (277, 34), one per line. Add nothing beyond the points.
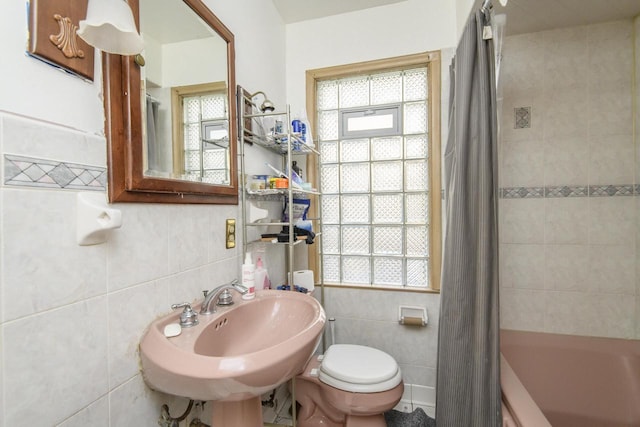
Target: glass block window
(205, 136)
(375, 181)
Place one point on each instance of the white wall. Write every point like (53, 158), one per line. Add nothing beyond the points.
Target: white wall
(71, 317)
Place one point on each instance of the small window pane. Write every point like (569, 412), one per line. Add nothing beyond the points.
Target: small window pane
(389, 148)
(417, 273)
(417, 208)
(215, 159)
(375, 121)
(415, 118)
(191, 110)
(192, 160)
(387, 240)
(416, 146)
(354, 150)
(331, 209)
(329, 152)
(214, 107)
(417, 241)
(355, 240)
(356, 270)
(387, 208)
(417, 178)
(355, 209)
(331, 268)
(192, 139)
(387, 176)
(331, 239)
(328, 95)
(327, 125)
(355, 177)
(329, 179)
(215, 176)
(386, 88)
(415, 84)
(387, 271)
(354, 92)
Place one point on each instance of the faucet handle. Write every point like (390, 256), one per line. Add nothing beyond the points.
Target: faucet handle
(188, 317)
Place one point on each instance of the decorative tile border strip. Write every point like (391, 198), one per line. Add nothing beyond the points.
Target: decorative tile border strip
(32, 172)
(569, 191)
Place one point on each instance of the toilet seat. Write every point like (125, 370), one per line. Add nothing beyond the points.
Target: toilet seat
(359, 369)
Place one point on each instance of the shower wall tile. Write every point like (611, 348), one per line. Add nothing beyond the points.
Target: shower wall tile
(609, 46)
(94, 415)
(513, 99)
(566, 161)
(565, 57)
(522, 309)
(522, 220)
(562, 116)
(613, 316)
(612, 220)
(522, 266)
(35, 276)
(611, 159)
(612, 269)
(522, 164)
(566, 267)
(42, 371)
(569, 313)
(586, 192)
(566, 221)
(522, 71)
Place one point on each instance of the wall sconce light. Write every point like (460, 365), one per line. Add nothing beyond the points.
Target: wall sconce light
(110, 27)
(266, 105)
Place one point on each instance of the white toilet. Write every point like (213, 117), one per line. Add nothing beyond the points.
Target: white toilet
(350, 386)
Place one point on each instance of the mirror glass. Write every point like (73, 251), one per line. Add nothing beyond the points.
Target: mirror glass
(184, 95)
(171, 135)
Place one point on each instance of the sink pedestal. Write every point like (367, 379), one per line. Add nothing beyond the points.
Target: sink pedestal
(242, 413)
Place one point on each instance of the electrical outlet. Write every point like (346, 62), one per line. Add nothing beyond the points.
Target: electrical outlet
(231, 233)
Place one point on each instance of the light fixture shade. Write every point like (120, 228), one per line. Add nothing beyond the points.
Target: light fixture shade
(110, 27)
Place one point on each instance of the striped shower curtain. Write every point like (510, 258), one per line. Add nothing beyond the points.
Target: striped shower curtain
(468, 374)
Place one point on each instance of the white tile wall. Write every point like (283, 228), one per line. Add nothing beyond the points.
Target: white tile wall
(71, 317)
(370, 317)
(570, 264)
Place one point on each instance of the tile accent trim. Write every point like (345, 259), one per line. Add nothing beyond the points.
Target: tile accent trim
(24, 171)
(569, 191)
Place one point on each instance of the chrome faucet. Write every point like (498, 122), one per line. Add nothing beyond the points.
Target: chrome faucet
(220, 296)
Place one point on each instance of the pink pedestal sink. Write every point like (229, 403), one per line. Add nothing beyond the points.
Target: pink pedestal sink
(236, 354)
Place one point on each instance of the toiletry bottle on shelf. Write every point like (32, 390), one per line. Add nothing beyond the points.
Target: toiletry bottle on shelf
(262, 276)
(248, 279)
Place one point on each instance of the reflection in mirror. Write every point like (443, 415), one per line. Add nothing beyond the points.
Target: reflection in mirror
(184, 95)
(171, 136)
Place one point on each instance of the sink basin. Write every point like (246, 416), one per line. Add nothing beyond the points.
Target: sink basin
(237, 353)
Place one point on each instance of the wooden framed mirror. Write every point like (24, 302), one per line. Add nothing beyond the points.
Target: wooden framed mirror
(170, 118)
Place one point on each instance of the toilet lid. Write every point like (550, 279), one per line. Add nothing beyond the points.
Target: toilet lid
(357, 364)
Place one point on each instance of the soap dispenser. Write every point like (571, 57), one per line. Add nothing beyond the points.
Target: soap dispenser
(248, 279)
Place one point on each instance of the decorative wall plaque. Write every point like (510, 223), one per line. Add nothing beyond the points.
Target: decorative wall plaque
(53, 38)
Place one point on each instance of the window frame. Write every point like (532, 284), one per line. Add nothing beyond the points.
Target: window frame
(430, 60)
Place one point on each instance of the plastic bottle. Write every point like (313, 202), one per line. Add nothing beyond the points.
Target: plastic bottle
(248, 279)
(261, 277)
